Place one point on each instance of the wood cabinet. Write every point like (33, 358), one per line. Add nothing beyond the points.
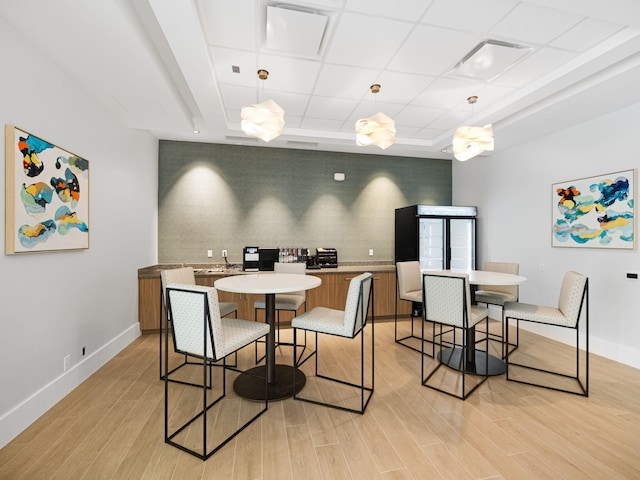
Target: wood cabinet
(332, 293)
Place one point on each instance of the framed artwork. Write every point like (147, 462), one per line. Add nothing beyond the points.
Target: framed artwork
(47, 195)
(596, 212)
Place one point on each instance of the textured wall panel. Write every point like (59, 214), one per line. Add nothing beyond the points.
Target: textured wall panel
(214, 197)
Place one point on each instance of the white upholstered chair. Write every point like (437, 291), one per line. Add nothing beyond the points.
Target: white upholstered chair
(348, 323)
(284, 301)
(183, 276)
(572, 301)
(198, 331)
(409, 287)
(497, 295)
(447, 302)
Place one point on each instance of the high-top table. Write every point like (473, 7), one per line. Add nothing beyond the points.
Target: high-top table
(475, 363)
(280, 377)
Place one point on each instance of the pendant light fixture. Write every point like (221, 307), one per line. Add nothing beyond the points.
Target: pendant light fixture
(379, 130)
(263, 120)
(471, 141)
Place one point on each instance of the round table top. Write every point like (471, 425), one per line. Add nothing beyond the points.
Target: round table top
(267, 282)
(485, 277)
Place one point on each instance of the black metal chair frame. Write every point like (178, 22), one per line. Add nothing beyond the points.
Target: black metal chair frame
(365, 391)
(164, 333)
(403, 340)
(468, 346)
(206, 367)
(277, 332)
(584, 386)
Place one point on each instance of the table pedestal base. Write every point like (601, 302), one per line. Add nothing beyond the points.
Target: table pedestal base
(250, 384)
(453, 358)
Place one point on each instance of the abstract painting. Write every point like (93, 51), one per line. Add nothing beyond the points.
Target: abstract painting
(47, 196)
(596, 212)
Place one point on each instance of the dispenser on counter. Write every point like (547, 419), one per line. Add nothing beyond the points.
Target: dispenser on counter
(250, 259)
(327, 257)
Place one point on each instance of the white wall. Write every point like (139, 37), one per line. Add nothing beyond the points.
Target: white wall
(53, 304)
(512, 190)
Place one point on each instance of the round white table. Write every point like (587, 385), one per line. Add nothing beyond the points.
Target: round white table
(280, 377)
(475, 363)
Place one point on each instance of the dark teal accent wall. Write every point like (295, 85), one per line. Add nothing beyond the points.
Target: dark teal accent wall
(215, 197)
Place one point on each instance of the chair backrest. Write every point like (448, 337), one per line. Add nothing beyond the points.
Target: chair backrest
(572, 293)
(197, 326)
(183, 276)
(297, 268)
(356, 309)
(446, 298)
(409, 279)
(502, 267)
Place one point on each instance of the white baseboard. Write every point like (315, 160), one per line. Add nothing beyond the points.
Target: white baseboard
(613, 351)
(24, 414)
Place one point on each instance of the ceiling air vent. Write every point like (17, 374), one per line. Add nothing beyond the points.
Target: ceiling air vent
(296, 143)
(295, 31)
(239, 139)
(489, 59)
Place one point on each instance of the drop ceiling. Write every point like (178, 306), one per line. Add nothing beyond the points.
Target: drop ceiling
(172, 66)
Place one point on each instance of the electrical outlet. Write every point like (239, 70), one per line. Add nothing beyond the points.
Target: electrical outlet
(224, 254)
(209, 253)
(371, 252)
(67, 362)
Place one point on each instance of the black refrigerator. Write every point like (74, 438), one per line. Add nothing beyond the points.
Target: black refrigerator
(440, 237)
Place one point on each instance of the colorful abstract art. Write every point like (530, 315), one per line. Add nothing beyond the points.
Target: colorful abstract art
(47, 196)
(596, 212)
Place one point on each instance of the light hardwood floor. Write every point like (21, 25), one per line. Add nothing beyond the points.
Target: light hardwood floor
(111, 427)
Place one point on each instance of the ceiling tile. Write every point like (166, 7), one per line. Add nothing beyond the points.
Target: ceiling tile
(453, 119)
(330, 108)
(447, 92)
(523, 24)
(321, 124)
(291, 103)
(368, 108)
(586, 35)
(470, 15)
(223, 59)
(534, 67)
(345, 82)
(234, 96)
(289, 74)
(414, 116)
(401, 9)
(399, 87)
(229, 23)
(432, 50)
(366, 41)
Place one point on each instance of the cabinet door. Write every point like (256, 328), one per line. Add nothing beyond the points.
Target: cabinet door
(384, 285)
(149, 304)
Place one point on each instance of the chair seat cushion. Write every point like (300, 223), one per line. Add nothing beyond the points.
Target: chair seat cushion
(227, 307)
(413, 296)
(536, 313)
(322, 320)
(284, 301)
(478, 314)
(239, 333)
(494, 298)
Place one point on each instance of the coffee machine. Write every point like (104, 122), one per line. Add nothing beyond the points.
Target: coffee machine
(250, 259)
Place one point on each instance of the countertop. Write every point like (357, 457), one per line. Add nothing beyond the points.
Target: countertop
(222, 270)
